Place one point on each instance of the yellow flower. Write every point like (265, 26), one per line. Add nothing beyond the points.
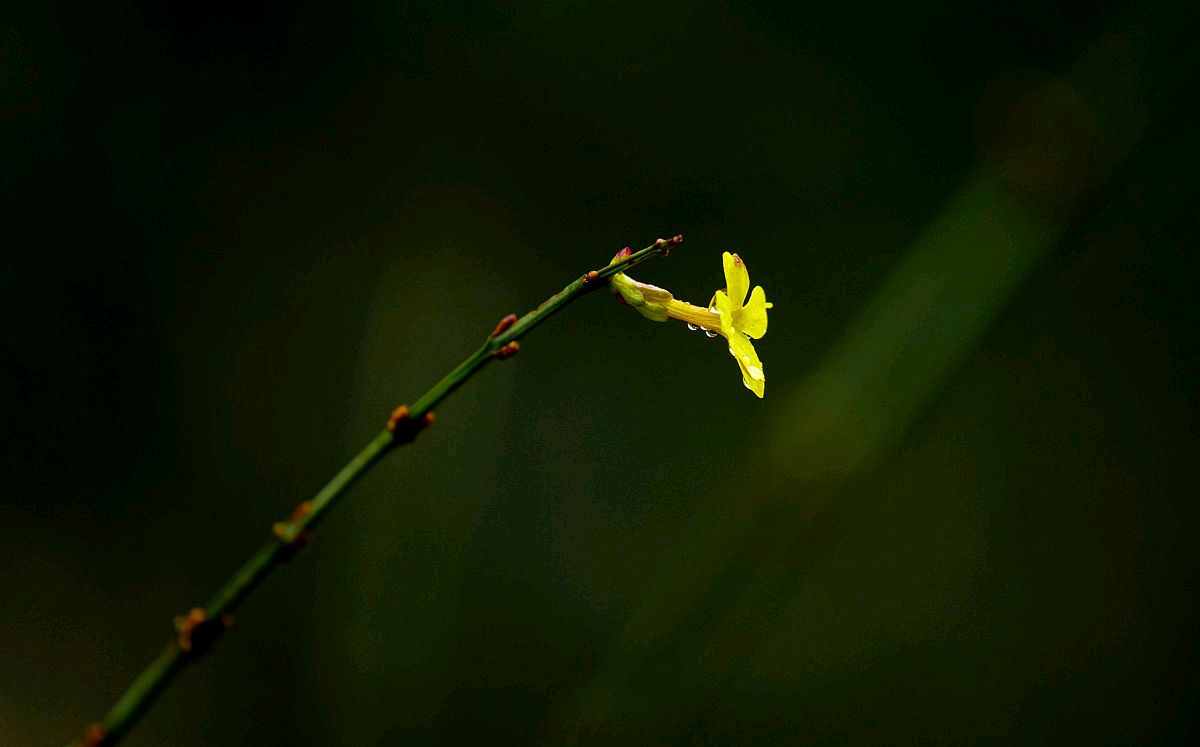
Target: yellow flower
(729, 314)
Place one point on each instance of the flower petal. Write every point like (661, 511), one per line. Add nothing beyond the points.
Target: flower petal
(752, 318)
(752, 371)
(724, 309)
(737, 279)
(654, 294)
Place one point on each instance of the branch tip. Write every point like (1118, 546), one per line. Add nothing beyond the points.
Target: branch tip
(504, 324)
(665, 245)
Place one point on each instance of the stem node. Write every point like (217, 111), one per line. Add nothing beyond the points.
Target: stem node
(398, 415)
(404, 428)
(197, 632)
(291, 532)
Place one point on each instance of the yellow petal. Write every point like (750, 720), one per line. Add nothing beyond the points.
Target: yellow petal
(737, 279)
(747, 360)
(724, 309)
(654, 294)
(752, 318)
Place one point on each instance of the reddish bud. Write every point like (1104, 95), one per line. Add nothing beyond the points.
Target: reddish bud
(94, 736)
(665, 245)
(398, 415)
(504, 324)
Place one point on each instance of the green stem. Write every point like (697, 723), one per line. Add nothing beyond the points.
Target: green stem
(289, 535)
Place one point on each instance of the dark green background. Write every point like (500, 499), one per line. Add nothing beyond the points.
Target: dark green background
(236, 237)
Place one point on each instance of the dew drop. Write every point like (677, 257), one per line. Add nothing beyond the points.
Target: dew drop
(710, 333)
(692, 327)
(755, 372)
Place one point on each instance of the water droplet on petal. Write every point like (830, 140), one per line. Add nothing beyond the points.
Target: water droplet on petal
(710, 332)
(692, 327)
(755, 372)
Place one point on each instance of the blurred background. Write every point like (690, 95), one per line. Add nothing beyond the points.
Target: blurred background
(236, 236)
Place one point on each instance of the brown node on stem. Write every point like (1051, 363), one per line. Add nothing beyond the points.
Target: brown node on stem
(508, 350)
(590, 276)
(398, 415)
(406, 428)
(504, 324)
(294, 539)
(94, 736)
(196, 632)
(292, 535)
(302, 510)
